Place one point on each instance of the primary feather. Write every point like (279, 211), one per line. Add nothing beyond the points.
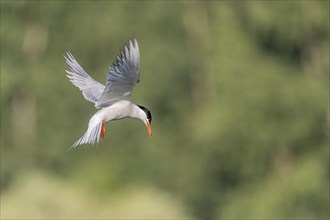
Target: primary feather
(90, 88)
(122, 76)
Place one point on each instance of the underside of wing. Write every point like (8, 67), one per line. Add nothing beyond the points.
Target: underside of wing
(90, 88)
(122, 76)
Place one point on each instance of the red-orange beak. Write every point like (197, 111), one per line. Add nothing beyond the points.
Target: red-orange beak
(149, 128)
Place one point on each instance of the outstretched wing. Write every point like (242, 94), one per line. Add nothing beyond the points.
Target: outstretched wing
(90, 88)
(122, 76)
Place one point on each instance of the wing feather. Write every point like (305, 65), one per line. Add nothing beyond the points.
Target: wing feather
(123, 75)
(90, 88)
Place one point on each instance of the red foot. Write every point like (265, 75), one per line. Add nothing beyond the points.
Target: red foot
(102, 130)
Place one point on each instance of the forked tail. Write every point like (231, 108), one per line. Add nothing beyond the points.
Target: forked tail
(93, 133)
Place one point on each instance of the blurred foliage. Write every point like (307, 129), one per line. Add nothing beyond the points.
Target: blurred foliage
(239, 93)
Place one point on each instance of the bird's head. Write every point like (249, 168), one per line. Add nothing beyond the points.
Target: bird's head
(146, 118)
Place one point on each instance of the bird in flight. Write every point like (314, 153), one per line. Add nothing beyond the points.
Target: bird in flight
(114, 98)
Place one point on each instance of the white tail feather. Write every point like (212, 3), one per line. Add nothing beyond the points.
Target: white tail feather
(92, 134)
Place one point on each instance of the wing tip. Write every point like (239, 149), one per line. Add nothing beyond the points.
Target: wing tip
(68, 55)
(133, 43)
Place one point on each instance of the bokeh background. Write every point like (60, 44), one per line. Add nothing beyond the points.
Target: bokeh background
(238, 91)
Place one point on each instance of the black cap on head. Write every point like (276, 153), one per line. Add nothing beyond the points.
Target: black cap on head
(147, 111)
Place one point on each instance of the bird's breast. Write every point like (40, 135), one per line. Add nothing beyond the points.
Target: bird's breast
(118, 110)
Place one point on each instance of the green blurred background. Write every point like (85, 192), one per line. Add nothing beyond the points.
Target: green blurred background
(239, 97)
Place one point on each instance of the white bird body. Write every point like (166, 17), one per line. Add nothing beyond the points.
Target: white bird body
(120, 110)
(113, 99)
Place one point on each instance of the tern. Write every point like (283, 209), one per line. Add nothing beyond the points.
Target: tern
(114, 98)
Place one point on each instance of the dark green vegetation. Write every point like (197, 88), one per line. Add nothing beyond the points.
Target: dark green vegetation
(239, 97)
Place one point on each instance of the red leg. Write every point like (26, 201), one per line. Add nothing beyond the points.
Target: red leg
(102, 130)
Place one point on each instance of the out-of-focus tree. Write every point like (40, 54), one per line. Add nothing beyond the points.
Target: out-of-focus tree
(238, 93)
